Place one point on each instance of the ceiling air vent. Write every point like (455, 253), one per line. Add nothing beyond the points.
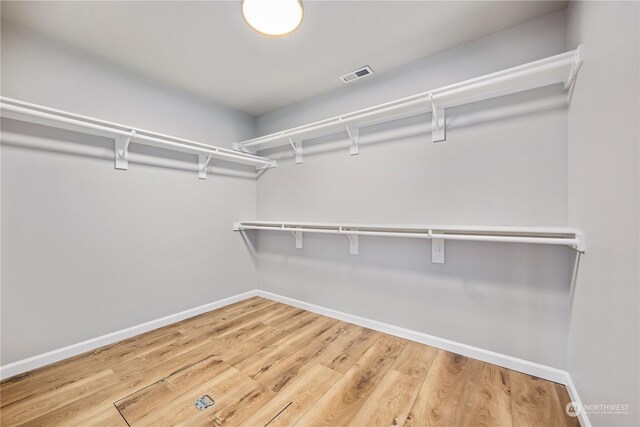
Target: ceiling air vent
(357, 74)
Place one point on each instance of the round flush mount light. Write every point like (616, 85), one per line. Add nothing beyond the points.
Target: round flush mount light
(274, 18)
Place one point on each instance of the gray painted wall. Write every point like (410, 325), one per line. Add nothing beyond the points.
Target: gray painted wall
(604, 200)
(87, 249)
(504, 163)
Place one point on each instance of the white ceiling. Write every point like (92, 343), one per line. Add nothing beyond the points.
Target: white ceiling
(206, 48)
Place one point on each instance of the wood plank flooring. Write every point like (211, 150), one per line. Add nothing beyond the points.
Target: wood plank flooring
(266, 363)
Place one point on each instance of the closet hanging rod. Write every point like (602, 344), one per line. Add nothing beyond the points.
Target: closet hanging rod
(436, 233)
(470, 229)
(19, 110)
(427, 235)
(560, 68)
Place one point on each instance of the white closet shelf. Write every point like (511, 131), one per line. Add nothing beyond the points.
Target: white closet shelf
(560, 68)
(571, 237)
(124, 135)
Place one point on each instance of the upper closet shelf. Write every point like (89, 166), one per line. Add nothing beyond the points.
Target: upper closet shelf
(125, 135)
(436, 233)
(555, 69)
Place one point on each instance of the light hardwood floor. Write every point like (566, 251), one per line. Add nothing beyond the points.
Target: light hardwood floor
(268, 363)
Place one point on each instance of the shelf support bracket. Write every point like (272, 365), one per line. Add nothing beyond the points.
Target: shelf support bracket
(354, 136)
(580, 245)
(269, 166)
(121, 150)
(203, 161)
(438, 127)
(437, 249)
(297, 148)
(577, 63)
(298, 236)
(353, 244)
(239, 147)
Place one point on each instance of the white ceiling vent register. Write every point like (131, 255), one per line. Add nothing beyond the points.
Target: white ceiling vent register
(357, 74)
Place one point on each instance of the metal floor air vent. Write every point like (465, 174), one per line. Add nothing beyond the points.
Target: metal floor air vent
(357, 74)
(204, 402)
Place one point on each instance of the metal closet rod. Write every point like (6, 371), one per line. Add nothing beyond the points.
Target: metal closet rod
(542, 235)
(560, 68)
(16, 109)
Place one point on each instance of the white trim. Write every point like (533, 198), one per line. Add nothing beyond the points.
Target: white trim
(509, 362)
(34, 362)
(538, 370)
(575, 398)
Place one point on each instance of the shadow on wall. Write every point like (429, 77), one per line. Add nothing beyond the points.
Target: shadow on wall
(542, 100)
(505, 267)
(42, 138)
(576, 257)
(251, 244)
(504, 297)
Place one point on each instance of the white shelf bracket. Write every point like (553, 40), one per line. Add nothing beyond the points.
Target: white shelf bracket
(269, 166)
(581, 245)
(203, 161)
(298, 236)
(297, 148)
(437, 249)
(354, 136)
(353, 244)
(121, 150)
(239, 147)
(579, 58)
(438, 127)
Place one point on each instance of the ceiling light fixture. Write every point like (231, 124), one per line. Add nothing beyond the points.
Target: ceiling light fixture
(274, 18)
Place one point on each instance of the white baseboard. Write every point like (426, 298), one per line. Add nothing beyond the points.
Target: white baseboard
(538, 370)
(573, 394)
(520, 365)
(34, 362)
